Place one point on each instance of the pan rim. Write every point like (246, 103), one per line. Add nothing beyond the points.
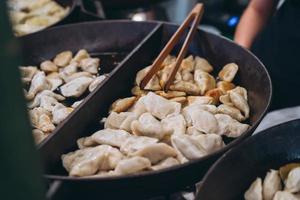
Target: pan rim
(223, 151)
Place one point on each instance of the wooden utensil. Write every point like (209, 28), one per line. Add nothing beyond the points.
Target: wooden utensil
(195, 15)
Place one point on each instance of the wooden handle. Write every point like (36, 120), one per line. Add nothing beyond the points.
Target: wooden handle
(195, 14)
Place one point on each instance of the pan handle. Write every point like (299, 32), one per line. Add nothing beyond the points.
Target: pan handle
(53, 189)
(92, 8)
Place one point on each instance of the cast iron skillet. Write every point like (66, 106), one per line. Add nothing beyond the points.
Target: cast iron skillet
(233, 173)
(111, 35)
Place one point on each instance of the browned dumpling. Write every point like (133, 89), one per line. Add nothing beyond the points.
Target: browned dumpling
(63, 59)
(204, 80)
(122, 105)
(228, 72)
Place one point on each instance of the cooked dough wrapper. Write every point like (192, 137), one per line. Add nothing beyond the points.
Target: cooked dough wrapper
(215, 94)
(187, 87)
(240, 102)
(54, 80)
(63, 59)
(231, 111)
(284, 195)
(204, 80)
(242, 91)
(176, 123)
(292, 183)
(132, 165)
(139, 107)
(120, 120)
(41, 119)
(203, 64)
(67, 71)
(209, 142)
(201, 119)
(96, 82)
(111, 137)
(38, 135)
(170, 94)
(48, 66)
(86, 142)
(255, 191)
(90, 65)
(229, 126)
(77, 75)
(122, 105)
(271, 184)
(200, 100)
(187, 76)
(225, 86)
(153, 84)
(159, 106)
(193, 131)
(136, 91)
(225, 99)
(228, 72)
(38, 83)
(181, 100)
(147, 125)
(156, 152)
(168, 162)
(76, 87)
(188, 64)
(80, 55)
(46, 99)
(60, 112)
(27, 73)
(76, 103)
(169, 60)
(188, 146)
(135, 143)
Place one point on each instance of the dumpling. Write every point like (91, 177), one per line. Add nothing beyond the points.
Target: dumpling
(27, 73)
(132, 165)
(168, 162)
(176, 123)
(284, 195)
(201, 119)
(170, 94)
(240, 102)
(255, 191)
(156, 152)
(67, 71)
(135, 143)
(159, 106)
(54, 80)
(187, 87)
(121, 120)
(76, 87)
(200, 100)
(228, 72)
(153, 84)
(292, 183)
(231, 111)
(46, 99)
(77, 75)
(225, 86)
(204, 80)
(188, 64)
(147, 125)
(38, 83)
(96, 82)
(229, 126)
(122, 105)
(271, 184)
(90, 65)
(63, 59)
(188, 146)
(41, 119)
(203, 64)
(48, 66)
(60, 112)
(80, 55)
(215, 94)
(111, 137)
(193, 131)
(210, 142)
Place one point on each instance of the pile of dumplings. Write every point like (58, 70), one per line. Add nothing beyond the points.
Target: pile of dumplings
(277, 185)
(53, 83)
(29, 16)
(153, 129)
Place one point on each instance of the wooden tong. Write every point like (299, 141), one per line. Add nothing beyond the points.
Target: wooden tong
(196, 15)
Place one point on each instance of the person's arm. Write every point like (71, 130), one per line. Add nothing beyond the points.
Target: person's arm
(252, 21)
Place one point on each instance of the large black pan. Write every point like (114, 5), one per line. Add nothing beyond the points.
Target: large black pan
(234, 172)
(111, 36)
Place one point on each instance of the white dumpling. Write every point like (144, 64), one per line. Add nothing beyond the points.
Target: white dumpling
(55, 80)
(41, 119)
(76, 87)
(112, 157)
(188, 146)
(284, 195)
(38, 83)
(271, 184)
(67, 71)
(255, 191)
(200, 100)
(139, 107)
(153, 84)
(176, 123)
(193, 131)
(168, 162)
(46, 99)
(63, 59)
(240, 102)
(210, 142)
(292, 183)
(135, 143)
(204, 80)
(27, 73)
(96, 82)
(111, 137)
(202, 120)
(203, 64)
(77, 75)
(132, 165)
(121, 120)
(156, 152)
(229, 126)
(159, 106)
(147, 125)
(60, 112)
(232, 111)
(90, 65)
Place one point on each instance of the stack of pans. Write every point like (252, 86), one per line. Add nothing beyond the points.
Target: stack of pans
(135, 44)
